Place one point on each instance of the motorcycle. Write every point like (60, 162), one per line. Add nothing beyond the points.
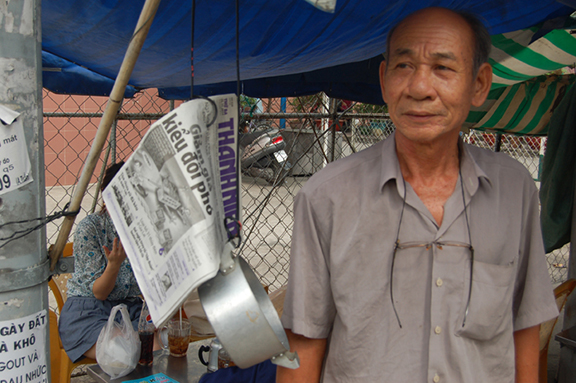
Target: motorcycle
(262, 153)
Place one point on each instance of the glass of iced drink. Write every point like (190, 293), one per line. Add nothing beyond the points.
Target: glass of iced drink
(178, 337)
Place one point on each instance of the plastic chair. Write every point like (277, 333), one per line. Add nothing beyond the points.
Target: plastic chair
(58, 282)
(561, 293)
(55, 347)
(60, 363)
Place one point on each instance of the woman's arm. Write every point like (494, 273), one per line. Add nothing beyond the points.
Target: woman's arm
(104, 285)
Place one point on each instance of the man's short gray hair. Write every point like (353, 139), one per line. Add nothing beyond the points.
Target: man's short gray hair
(482, 42)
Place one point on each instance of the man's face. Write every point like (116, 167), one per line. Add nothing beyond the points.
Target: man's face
(428, 82)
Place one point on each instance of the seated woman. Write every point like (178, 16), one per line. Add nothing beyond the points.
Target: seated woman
(102, 279)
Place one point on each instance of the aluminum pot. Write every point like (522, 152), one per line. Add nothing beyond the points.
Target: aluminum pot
(242, 316)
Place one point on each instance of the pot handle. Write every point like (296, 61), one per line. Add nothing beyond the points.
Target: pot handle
(201, 352)
(286, 359)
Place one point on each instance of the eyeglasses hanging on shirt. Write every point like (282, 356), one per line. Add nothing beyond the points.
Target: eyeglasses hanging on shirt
(427, 245)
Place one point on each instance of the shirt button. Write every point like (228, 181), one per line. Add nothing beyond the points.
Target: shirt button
(437, 330)
(436, 378)
(439, 282)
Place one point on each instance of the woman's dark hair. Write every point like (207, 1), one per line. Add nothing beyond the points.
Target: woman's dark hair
(110, 173)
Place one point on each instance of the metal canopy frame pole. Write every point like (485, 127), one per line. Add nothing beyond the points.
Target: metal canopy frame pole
(142, 27)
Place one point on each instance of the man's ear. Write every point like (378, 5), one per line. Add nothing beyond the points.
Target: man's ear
(482, 84)
(382, 84)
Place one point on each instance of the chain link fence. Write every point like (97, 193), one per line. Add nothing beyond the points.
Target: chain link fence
(317, 130)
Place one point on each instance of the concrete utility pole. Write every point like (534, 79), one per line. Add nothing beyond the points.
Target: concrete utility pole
(24, 266)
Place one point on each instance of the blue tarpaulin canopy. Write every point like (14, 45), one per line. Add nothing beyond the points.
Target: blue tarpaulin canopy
(287, 48)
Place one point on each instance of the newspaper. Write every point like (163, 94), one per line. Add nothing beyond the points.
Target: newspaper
(169, 201)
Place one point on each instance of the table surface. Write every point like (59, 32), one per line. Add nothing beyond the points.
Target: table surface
(184, 370)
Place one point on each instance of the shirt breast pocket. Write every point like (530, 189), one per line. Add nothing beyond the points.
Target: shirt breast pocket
(490, 309)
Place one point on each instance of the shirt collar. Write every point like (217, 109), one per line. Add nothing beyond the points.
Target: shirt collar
(390, 164)
(471, 171)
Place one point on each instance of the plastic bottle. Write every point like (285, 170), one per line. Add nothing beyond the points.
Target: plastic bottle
(146, 333)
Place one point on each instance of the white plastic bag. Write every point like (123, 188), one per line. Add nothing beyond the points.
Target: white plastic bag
(118, 345)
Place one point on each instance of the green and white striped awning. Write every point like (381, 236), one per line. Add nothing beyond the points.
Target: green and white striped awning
(523, 97)
(524, 108)
(514, 59)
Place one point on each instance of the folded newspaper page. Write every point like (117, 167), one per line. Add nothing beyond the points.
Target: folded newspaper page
(169, 201)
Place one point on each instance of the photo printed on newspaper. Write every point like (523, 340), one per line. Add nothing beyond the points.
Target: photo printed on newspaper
(169, 200)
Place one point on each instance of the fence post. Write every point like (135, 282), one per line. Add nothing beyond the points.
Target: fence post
(325, 109)
(283, 110)
(498, 142)
(24, 265)
(541, 156)
(333, 115)
(113, 141)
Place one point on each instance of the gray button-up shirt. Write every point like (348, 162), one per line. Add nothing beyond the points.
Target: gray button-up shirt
(346, 222)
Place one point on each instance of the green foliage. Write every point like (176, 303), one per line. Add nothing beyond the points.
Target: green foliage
(248, 104)
(369, 108)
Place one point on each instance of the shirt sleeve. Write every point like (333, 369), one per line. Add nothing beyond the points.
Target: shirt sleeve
(309, 308)
(534, 301)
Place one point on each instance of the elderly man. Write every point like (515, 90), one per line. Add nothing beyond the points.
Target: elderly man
(420, 259)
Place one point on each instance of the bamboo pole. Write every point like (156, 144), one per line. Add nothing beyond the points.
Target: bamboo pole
(142, 27)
